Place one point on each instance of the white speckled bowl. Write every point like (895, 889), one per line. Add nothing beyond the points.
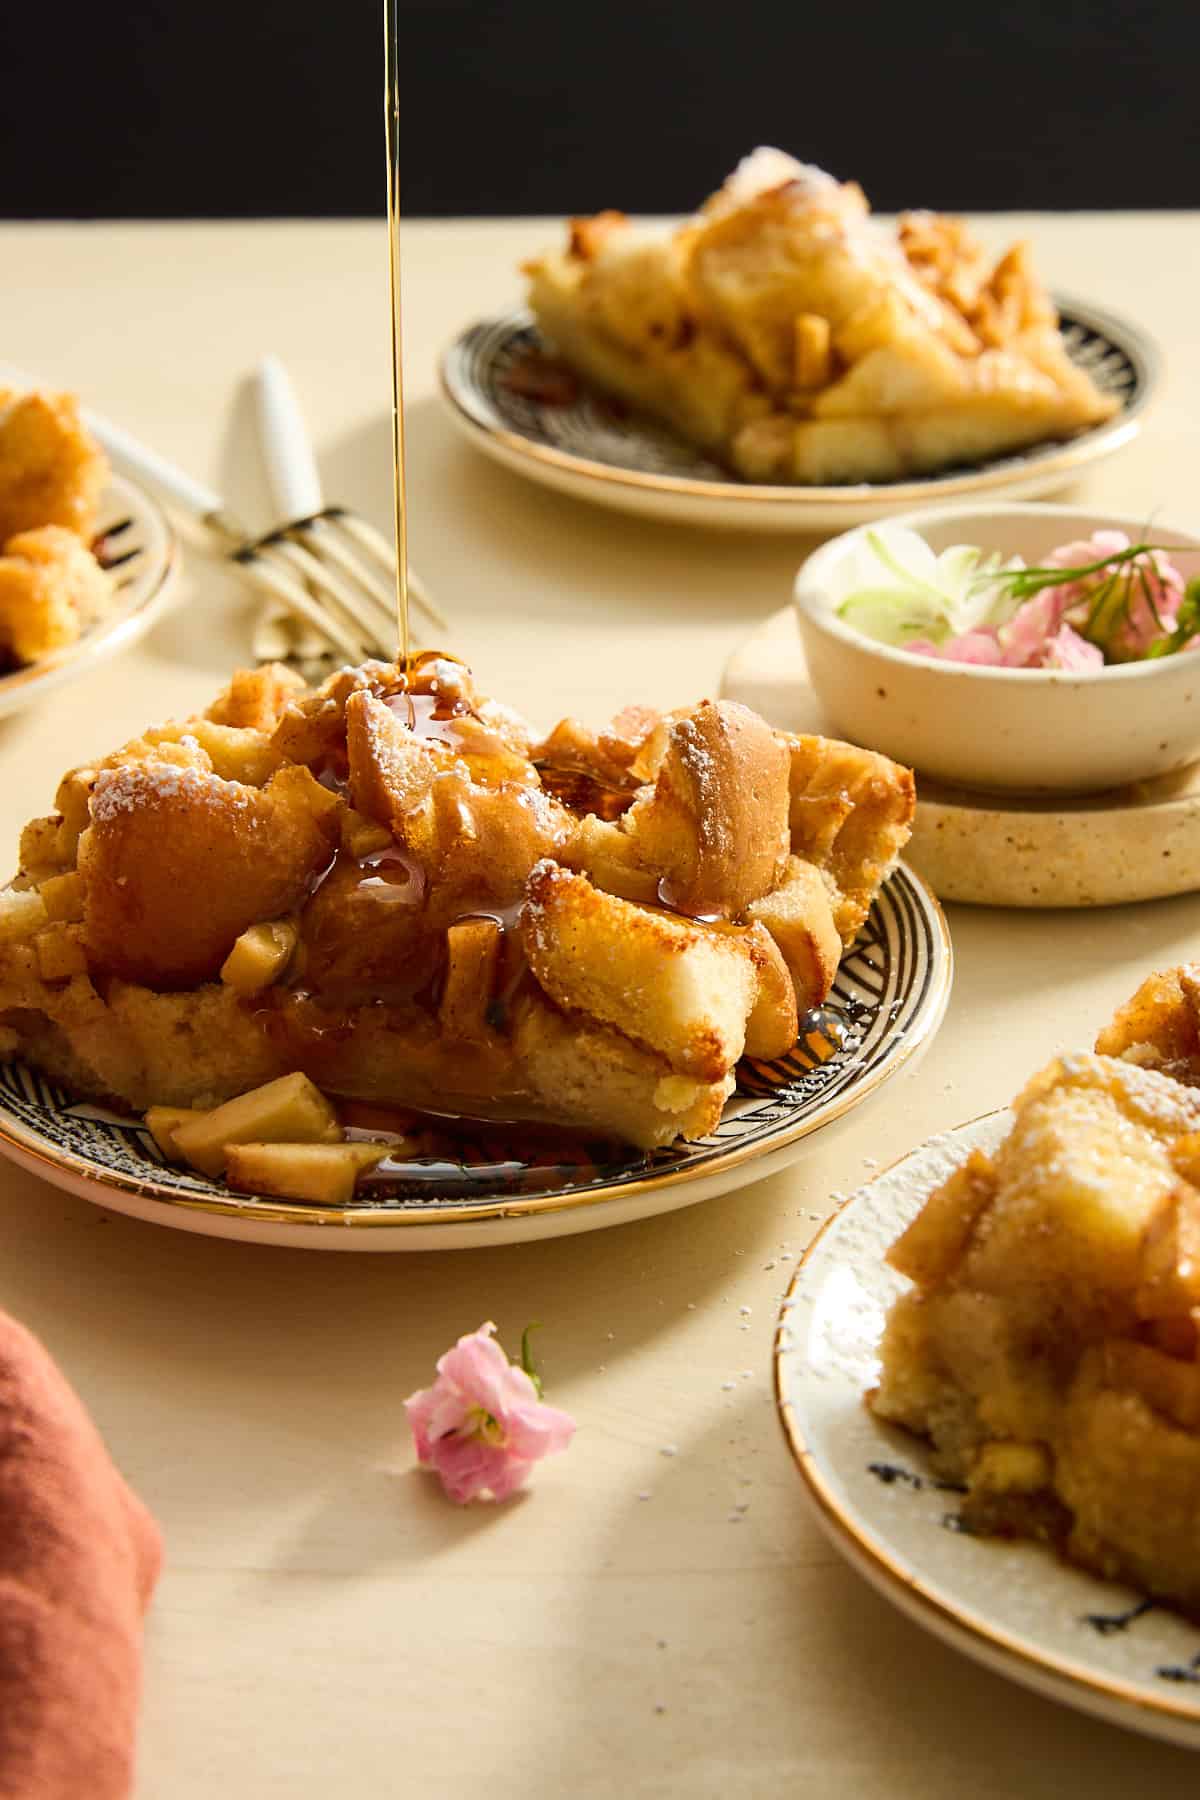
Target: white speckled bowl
(1016, 729)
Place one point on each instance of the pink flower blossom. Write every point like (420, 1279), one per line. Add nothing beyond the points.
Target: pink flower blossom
(482, 1426)
(1032, 627)
(1161, 593)
(1067, 650)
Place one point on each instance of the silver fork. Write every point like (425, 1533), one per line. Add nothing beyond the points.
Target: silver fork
(330, 569)
(323, 550)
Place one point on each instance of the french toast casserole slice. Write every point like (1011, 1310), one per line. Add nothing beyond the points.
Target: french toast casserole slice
(1049, 1344)
(391, 884)
(789, 333)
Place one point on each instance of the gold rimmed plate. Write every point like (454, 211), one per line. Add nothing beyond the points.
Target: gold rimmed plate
(1012, 1606)
(887, 1003)
(137, 546)
(584, 444)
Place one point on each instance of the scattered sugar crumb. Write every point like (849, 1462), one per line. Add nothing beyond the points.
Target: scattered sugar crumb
(745, 1311)
(726, 1385)
(645, 1494)
(669, 1450)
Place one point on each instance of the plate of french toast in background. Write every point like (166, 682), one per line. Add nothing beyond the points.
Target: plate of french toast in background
(988, 1368)
(784, 358)
(87, 559)
(377, 954)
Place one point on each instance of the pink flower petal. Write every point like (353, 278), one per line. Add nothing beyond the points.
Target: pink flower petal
(1067, 650)
(978, 647)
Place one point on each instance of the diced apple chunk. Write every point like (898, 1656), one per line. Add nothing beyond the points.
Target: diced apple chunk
(164, 1121)
(322, 1172)
(288, 1110)
(260, 956)
(472, 953)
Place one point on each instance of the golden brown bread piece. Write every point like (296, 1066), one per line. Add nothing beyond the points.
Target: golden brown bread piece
(51, 471)
(1048, 1348)
(159, 833)
(388, 885)
(715, 824)
(1160, 1026)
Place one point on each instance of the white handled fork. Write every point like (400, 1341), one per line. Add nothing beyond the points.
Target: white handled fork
(324, 566)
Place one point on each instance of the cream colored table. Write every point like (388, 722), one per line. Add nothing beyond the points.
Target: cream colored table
(327, 1624)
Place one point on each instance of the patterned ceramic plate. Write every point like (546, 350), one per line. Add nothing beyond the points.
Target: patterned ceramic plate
(888, 1001)
(1012, 1606)
(139, 547)
(589, 446)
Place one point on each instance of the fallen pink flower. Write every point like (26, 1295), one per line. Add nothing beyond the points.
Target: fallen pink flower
(481, 1426)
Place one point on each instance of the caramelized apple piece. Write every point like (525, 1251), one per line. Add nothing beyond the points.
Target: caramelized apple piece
(472, 955)
(164, 1122)
(716, 822)
(260, 956)
(325, 1173)
(288, 1110)
(176, 865)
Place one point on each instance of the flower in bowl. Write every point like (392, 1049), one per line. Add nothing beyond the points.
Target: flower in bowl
(1010, 647)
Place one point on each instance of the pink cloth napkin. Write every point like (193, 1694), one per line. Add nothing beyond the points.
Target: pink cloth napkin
(79, 1557)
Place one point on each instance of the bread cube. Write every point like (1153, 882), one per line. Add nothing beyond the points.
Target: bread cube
(932, 1246)
(678, 987)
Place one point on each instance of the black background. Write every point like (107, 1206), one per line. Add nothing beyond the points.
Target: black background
(274, 107)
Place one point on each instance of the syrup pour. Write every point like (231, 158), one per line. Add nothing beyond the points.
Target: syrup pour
(391, 116)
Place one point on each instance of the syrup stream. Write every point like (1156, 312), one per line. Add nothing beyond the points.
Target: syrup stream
(391, 117)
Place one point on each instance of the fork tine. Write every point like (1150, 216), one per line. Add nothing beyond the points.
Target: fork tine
(329, 588)
(378, 547)
(329, 546)
(277, 580)
(281, 636)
